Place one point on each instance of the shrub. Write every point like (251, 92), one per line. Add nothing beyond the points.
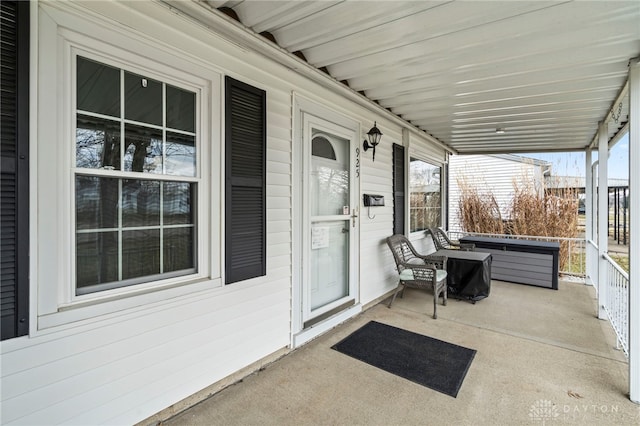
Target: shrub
(479, 212)
(534, 211)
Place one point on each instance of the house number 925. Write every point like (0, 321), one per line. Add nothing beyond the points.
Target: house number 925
(357, 162)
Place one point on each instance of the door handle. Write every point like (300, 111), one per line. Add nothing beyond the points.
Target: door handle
(354, 216)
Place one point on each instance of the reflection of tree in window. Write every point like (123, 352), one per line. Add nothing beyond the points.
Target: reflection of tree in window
(334, 183)
(180, 154)
(143, 149)
(332, 179)
(97, 143)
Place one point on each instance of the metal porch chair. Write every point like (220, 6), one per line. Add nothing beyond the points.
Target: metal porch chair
(418, 271)
(442, 241)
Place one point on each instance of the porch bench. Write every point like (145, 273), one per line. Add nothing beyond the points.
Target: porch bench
(521, 261)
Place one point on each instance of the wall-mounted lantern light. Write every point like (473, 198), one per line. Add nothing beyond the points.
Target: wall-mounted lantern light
(374, 135)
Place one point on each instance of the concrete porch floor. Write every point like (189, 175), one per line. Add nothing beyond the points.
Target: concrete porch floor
(536, 348)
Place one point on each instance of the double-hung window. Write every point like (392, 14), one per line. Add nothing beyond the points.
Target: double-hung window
(136, 177)
(425, 195)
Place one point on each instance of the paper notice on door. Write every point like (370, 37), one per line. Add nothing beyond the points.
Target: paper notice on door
(319, 237)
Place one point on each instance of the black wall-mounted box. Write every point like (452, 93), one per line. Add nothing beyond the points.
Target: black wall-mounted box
(371, 200)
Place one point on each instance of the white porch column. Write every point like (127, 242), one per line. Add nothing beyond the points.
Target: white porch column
(588, 195)
(603, 218)
(634, 227)
(588, 210)
(594, 202)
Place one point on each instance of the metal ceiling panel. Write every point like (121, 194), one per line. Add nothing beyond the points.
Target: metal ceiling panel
(544, 71)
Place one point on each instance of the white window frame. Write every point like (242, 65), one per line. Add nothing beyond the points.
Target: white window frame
(120, 174)
(55, 172)
(430, 161)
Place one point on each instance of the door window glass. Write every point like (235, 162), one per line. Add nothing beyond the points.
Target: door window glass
(329, 174)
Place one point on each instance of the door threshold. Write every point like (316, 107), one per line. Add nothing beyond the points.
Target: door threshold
(325, 325)
(330, 313)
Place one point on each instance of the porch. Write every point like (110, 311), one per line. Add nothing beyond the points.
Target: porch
(437, 78)
(533, 345)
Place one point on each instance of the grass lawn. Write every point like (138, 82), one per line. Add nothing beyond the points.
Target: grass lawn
(621, 260)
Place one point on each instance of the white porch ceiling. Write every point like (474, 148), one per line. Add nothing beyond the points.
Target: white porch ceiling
(544, 71)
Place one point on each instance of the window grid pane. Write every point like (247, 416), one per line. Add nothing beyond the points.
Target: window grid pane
(140, 253)
(97, 259)
(97, 87)
(97, 143)
(143, 99)
(180, 109)
(143, 149)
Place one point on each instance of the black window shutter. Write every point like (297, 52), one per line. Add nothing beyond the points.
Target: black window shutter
(398, 189)
(14, 171)
(245, 195)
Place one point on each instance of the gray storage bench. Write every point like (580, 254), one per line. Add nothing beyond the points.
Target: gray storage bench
(521, 261)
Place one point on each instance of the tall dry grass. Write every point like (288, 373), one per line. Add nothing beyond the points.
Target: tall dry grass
(534, 211)
(546, 214)
(479, 212)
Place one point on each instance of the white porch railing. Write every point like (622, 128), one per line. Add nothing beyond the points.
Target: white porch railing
(592, 268)
(617, 305)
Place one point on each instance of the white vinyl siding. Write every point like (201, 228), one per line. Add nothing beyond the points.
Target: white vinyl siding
(145, 358)
(279, 189)
(377, 178)
(488, 175)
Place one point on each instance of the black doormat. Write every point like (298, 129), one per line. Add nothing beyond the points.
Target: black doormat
(429, 362)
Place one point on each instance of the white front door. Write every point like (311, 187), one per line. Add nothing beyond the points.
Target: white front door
(330, 204)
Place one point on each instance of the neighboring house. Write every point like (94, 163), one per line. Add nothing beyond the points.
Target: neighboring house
(577, 183)
(492, 174)
(186, 208)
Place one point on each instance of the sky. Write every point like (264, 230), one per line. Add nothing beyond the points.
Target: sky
(572, 163)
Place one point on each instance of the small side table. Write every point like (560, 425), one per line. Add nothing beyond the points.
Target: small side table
(468, 274)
